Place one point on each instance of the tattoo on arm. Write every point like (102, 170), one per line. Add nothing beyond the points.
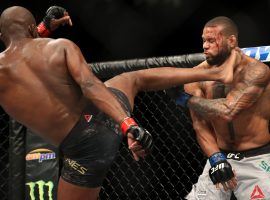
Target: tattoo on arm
(208, 107)
(244, 95)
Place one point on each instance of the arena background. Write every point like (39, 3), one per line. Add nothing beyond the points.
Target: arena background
(108, 30)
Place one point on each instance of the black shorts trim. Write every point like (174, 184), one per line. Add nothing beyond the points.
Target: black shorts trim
(265, 149)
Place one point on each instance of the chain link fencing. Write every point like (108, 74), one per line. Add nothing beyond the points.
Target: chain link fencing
(175, 161)
(167, 173)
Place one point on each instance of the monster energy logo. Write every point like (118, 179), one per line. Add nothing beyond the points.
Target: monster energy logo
(41, 185)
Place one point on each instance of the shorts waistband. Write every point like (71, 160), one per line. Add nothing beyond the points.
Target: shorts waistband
(79, 125)
(248, 153)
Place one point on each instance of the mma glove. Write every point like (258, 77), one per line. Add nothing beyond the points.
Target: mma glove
(221, 170)
(53, 12)
(181, 98)
(140, 134)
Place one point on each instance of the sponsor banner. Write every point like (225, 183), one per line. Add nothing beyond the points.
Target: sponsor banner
(40, 190)
(261, 53)
(40, 155)
(41, 170)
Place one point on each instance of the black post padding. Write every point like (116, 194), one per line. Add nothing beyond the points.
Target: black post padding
(113, 68)
(16, 160)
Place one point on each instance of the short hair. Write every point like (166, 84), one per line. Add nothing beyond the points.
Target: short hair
(229, 27)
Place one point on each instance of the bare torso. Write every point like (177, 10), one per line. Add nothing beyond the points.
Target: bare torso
(37, 90)
(249, 129)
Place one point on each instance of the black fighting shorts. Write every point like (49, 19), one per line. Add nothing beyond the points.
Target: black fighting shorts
(91, 146)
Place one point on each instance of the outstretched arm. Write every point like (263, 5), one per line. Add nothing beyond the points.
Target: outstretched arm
(55, 16)
(244, 95)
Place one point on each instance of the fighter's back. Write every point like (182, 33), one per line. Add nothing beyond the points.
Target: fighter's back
(36, 88)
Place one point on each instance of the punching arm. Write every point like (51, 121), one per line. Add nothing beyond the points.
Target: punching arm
(55, 16)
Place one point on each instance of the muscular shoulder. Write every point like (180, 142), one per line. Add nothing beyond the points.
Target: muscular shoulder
(61, 43)
(57, 48)
(256, 73)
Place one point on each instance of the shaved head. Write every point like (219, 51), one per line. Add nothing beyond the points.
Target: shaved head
(15, 19)
(229, 27)
(220, 36)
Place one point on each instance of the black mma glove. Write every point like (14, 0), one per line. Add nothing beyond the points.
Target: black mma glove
(221, 170)
(140, 134)
(53, 12)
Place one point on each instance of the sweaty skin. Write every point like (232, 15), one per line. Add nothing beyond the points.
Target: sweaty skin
(50, 100)
(234, 116)
(239, 111)
(46, 83)
(45, 87)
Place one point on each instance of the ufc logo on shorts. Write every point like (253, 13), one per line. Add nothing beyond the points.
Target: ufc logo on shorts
(216, 168)
(234, 156)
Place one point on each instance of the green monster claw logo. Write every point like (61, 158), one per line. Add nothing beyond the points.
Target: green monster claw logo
(41, 186)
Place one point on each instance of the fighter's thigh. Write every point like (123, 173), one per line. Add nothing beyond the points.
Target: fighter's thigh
(254, 179)
(126, 83)
(68, 191)
(204, 189)
(87, 161)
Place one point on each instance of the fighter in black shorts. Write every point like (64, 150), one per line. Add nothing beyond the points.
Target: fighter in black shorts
(92, 145)
(47, 85)
(99, 134)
